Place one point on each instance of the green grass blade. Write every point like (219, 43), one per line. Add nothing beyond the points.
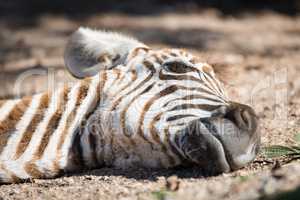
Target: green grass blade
(297, 138)
(297, 149)
(278, 150)
(161, 194)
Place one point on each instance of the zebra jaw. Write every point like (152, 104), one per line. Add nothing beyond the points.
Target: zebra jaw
(222, 143)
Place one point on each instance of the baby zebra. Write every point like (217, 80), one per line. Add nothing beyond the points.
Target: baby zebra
(134, 106)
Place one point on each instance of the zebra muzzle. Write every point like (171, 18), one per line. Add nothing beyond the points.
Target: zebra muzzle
(222, 144)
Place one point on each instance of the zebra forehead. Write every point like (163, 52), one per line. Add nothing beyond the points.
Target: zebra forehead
(171, 52)
(142, 55)
(152, 59)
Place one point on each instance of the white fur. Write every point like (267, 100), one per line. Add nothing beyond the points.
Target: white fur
(41, 129)
(6, 108)
(98, 42)
(51, 149)
(13, 142)
(88, 104)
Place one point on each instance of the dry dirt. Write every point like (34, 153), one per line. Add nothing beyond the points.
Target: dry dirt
(256, 56)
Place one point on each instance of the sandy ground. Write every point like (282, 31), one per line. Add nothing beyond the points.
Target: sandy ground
(256, 56)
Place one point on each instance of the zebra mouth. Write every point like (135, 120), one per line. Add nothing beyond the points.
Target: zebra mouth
(204, 148)
(218, 145)
(216, 132)
(224, 155)
(239, 146)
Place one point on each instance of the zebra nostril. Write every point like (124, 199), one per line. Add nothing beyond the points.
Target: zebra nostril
(246, 117)
(243, 116)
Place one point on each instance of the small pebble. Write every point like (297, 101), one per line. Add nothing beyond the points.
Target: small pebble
(172, 183)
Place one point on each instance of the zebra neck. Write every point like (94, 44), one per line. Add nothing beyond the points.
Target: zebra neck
(37, 133)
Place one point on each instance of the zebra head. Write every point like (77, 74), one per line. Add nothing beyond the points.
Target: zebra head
(166, 98)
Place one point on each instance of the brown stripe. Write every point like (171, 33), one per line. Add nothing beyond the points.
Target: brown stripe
(117, 72)
(83, 90)
(176, 117)
(149, 66)
(164, 56)
(123, 113)
(52, 124)
(33, 170)
(147, 106)
(212, 79)
(117, 102)
(158, 59)
(100, 87)
(2, 102)
(152, 128)
(120, 80)
(209, 83)
(219, 85)
(133, 78)
(197, 96)
(162, 93)
(99, 90)
(205, 107)
(38, 117)
(7, 126)
(181, 87)
(191, 97)
(135, 52)
(155, 135)
(80, 97)
(173, 54)
(163, 76)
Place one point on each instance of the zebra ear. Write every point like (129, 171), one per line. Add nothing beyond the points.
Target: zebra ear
(89, 51)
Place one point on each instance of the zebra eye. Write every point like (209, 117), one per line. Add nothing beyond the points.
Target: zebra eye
(177, 67)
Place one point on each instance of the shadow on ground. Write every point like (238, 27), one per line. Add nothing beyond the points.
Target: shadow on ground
(19, 13)
(149, 174)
